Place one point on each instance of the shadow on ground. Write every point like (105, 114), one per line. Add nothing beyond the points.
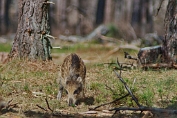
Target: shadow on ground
(87, 100)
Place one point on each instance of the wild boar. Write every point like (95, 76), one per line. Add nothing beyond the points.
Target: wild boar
(72, 79)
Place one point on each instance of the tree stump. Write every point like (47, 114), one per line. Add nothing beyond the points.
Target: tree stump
(150, 55)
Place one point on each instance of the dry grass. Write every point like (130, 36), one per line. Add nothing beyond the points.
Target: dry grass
(29, 83)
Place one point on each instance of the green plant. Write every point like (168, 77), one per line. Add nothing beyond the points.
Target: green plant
(113, 31)
(26, 87)
(147, 97)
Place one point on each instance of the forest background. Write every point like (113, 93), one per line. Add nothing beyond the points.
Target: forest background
(128, 19)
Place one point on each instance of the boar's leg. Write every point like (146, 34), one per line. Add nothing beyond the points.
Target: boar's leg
(60, 91)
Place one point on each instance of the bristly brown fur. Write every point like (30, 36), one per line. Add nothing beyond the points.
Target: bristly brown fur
(72, 78)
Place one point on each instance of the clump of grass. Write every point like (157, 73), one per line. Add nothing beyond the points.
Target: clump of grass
(147, 97)
(113, 31)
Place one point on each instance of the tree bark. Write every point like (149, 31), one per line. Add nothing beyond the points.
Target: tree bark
(170, 41)
(32, 36)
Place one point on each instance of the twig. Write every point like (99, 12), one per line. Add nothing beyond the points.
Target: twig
(111, 63)
(109, 88)
(9, 101)
(125, 85)
(128, 89)
(41, 107)
(49, 109)
(110, 102)
(48, 105)
(50, 36)
(108, 63)
(9, 105)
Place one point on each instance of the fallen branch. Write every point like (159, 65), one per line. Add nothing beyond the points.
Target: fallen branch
(125, 85)
(160, 65)
(11, 105)
(41, 107)
(49, 109)
(124, 65)
(6, 106)
(109, 39)
(48, 105)
(99, 31)
(110, 89)
(109, 102)
(143, 108)
(128, 89)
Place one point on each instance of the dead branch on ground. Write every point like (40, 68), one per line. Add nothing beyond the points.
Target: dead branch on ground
(7, 106)
(143, 108)
(160, 65)
(125, 84)
(11, 105)
(109, 102)
(125, 66)
(48, 107)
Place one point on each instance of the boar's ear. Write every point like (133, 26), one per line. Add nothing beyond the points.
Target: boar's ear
(79, 79)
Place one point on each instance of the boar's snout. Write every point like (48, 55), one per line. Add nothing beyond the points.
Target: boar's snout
(71, 102)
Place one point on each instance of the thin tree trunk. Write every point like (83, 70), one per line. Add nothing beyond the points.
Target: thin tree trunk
(3, 27)
(31, 40)
(108, 11)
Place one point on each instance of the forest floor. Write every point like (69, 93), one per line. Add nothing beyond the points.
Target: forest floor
(32, 86)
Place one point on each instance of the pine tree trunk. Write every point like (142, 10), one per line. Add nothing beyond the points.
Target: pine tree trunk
(170, 42)
(32, 36)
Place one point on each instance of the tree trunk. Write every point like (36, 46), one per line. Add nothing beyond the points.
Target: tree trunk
(3, 27)
(142, 17)
(108, 11)
(170, 41)
(32, 36)
(100, 12)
